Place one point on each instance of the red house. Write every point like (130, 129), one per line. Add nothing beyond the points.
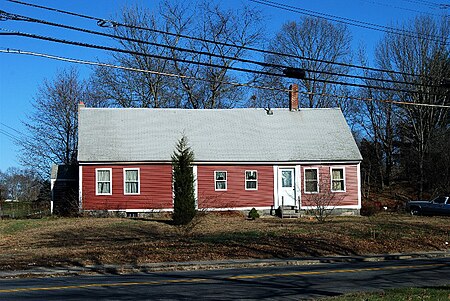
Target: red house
(244, 158)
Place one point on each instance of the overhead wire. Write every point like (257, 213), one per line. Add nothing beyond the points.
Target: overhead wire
(100, 47)
(85, 62)
(13, 51)
(132, 52)
(400, 7)
(111, 23)
(351, 22)
(17, 17)
(430, 4)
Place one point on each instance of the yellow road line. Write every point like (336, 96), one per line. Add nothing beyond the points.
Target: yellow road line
(50, 288)
(255, 276)
(193, 280)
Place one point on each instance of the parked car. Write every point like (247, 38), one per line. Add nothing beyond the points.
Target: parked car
(437, 206)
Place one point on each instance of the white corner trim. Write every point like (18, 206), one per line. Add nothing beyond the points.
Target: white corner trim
(298, 185)
(80, 188)
(52, 184)
(358, 175)
(275, 186)
(195, 173)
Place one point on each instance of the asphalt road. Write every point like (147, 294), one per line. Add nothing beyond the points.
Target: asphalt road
(276, 283)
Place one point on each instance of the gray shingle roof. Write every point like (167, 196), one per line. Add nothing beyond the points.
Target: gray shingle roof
(228, 135)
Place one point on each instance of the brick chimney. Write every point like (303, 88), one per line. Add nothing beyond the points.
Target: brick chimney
(293, 97)
(81, 105)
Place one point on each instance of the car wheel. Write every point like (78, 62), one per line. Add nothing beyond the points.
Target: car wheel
(414, 211)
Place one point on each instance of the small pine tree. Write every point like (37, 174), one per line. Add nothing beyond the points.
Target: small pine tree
(183, 183)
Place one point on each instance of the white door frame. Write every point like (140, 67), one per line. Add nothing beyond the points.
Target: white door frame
(278, 201)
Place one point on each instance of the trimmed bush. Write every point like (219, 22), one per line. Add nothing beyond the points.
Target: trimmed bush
(253, 214)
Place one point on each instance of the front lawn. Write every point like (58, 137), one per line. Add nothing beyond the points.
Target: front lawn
(440, 293)
(80, 241)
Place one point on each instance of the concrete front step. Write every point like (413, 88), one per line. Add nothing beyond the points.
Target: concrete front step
(289, 212)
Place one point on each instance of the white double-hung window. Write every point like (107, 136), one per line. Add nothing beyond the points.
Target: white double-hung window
(311, 180)
(103, 181)
(251, 180)
(337, 179)
(220, 180)
(131, 181)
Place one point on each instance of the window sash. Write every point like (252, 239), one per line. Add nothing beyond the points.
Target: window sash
(131, 181)
(337, 179)
(220, 180)
(251, 180)
(311, 180)
(104, 181)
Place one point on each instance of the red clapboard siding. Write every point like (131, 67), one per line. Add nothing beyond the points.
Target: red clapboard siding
(347, 198)
(235, 196)
(155, 190)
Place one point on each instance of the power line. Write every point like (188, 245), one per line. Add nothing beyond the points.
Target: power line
(399, 7)
(378, 100)
(196, 78)
(110, 23)
(107, 48)
(46, 38)
(11, 128)
(84, 62)
(17, 17)
(351, 22)
(429, 4)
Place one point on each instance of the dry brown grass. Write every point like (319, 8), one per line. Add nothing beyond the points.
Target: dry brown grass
(81, 241)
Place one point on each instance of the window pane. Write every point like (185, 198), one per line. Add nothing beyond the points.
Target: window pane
(221, 175)
(131, 175)
(103, 187)
(338, 174)
(250, 184)
(311, 186)
(103, 175)
(250, 175)
(310, 174)
(286, 178)
(338, 185)
(131, 187)
(221, 185)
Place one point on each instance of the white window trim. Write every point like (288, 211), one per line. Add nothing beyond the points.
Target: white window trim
(245, 180)
(138, 181)
(110, 181)
(215, 180)
(331, 178)
(304, 180)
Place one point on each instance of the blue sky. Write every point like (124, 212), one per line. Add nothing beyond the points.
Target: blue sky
(21, 76)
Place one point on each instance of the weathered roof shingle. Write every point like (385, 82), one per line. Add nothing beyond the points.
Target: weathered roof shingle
(228, 135)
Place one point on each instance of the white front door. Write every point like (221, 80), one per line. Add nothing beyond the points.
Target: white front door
(286, 187)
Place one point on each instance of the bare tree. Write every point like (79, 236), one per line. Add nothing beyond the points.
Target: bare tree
(203, 20)
(52, 127)
(313, 38)
(425, 63)
(378, 122)
(322, 204)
